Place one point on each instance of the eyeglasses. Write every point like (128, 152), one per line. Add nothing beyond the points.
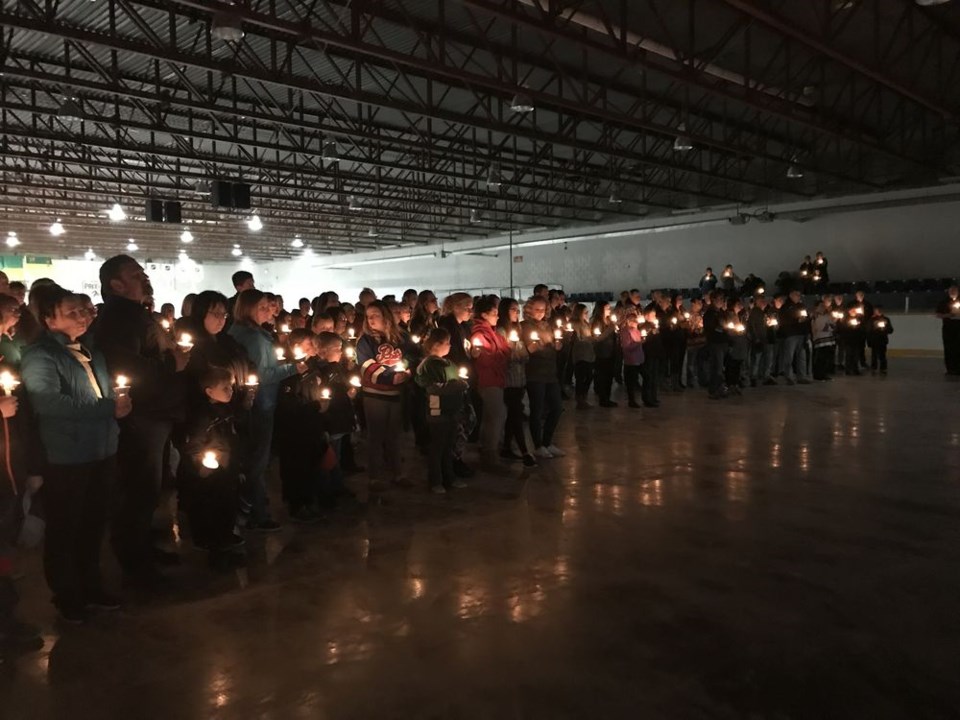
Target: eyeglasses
(218, 316)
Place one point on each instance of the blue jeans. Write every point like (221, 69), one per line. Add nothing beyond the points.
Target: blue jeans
(715, 354)
(545, 408)
(792, 346)
(255, 488)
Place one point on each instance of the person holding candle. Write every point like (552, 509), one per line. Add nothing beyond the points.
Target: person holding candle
(508, 326)
(794, 322)
(584, 357)
(948, 310)
(631, 341)
(543, 384)
(605, 344)
(849, 335)
(823, 331)
(424, 317)
(491, 357)
(696, 344)
(716, 344)
(76, 412)
(212, 347)
(380, 356)
(822, 268)
(879, 330)
(338, 415)
(654, 354)
(729, 280)
(134, 345)
(446, 392)
(211, 464)
(253, 309)
(11, 346)
(677, 322)
(758, 334)
(708, 282)
(457, 311)
(739, 346)
(863, 309)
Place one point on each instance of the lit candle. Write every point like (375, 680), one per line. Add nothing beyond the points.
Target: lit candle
(165, 324)
(674, 320)
(860, 310)
(881, 324)
(740, 328)
(298, 353)
(463, 373)
(123, 386)
(8, 382)
(400, 367)
(803, 313)
(686, 316)
(819, 261)
(186, 341)
(351, 333)
(731, 326)
(816, 277)
(596, 331)
(569, 327)
(772, 322)
(514, 336)
(803, 273)
(210, 460)
(761, 290)
(355, 381)
(956, 305)
(643, 333)
(559, 322)
(285, 329)
(477, 342)
(837, 315)
(727, 273)
(656, 323)
(252, 381)
(613, 318)
(854, 322)
(280, 354)
(534, 336)
(558, 334)
(325, 394)
(415, 339)
(350, 352)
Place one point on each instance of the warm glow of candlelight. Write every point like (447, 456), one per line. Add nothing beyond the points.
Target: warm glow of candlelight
(463, 373)
(740, 328)
(252, 380)
(298, 353)
(731, 326)
(400, 367)
(8, 382)
(325, 394)
(803, 273)
(837, 315)
(415, 339)
(285, 329)
(596, 331)
(350, 352)
(355, 381)
(466, 345)
(122, 388)
(686, 316)
(956, 306)
(772, 322)
(859, 310)
(165, 324)
(761, 290)
(674, 320)
(559, 322)
(643, 333)
(351, 333)
(569, 327)
(514, 336)
(186, 341)
(534, 336)
(477, 342)
(881, 324)
(613, 318)
(210, 460)
(854, 322)
(803, 313)
(280, 354)
(558, 334)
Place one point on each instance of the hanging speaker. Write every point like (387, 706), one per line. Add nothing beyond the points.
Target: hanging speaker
(241, 196)
(154, 211)
(221, 193)
(172, 212)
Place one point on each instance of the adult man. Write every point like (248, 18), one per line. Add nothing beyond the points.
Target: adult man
(242, 280)
(135, 346)
(949, 312)
(540, 290)
(863, 309)
(708, 283)
(717, 342)
(794, 319)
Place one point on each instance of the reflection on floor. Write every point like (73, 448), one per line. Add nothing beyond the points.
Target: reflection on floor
(789, 554)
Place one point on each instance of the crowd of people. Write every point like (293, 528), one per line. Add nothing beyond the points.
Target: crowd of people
(104, 405)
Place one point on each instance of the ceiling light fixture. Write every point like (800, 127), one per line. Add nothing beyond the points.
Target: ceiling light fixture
(183, 257)
(57, 229)
(297, 242)
(255, 223)
(372, 233)
(12, 239)
(521, 103)
(353, 203)
(117, 213)
(186, 236)
(132, 245)
(475, 216)
(330, 153)
(794, 171)
(70, 109)
(90, 255)
(494, 180)
(347, 265)
(236, 252)
(615, 198)
(226, 27)
(682, 142)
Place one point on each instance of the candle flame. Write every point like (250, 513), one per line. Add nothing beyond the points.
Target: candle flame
(355, 381)
(210, 460)
(252, 380)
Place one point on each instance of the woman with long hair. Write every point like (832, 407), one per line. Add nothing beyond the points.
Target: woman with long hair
(252, 311)
(508, 327)
(382, 373)
(424, 317)
(605, 341)
(584, 356)
(543, 384)
(491, 354)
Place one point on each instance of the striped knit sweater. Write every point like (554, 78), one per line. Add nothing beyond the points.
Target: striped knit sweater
(377, 359)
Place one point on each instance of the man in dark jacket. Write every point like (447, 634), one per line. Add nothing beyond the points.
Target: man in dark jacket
(717, 343)
(794, 319)
(242, 280)
(134, 345)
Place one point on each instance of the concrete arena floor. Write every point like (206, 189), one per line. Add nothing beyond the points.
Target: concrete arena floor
(789, 554)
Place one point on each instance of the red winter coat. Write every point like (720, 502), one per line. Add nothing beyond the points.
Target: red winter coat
(491, 365)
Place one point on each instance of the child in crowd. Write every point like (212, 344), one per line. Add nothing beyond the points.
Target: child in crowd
(879, 329)
(211, 469)
(445, 397)
(339, 418)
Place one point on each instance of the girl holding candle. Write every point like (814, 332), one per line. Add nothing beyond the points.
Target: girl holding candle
(543, 385)
(508, 327)
(338, 416)
(379, 354)
(631, 342)
(76, 413)
(492, 355)
(739, 351)
(605, 342)
(252, 310)
(457, 311)
(446, 393)
(584, 357)
(424, 317)
(214, 348)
